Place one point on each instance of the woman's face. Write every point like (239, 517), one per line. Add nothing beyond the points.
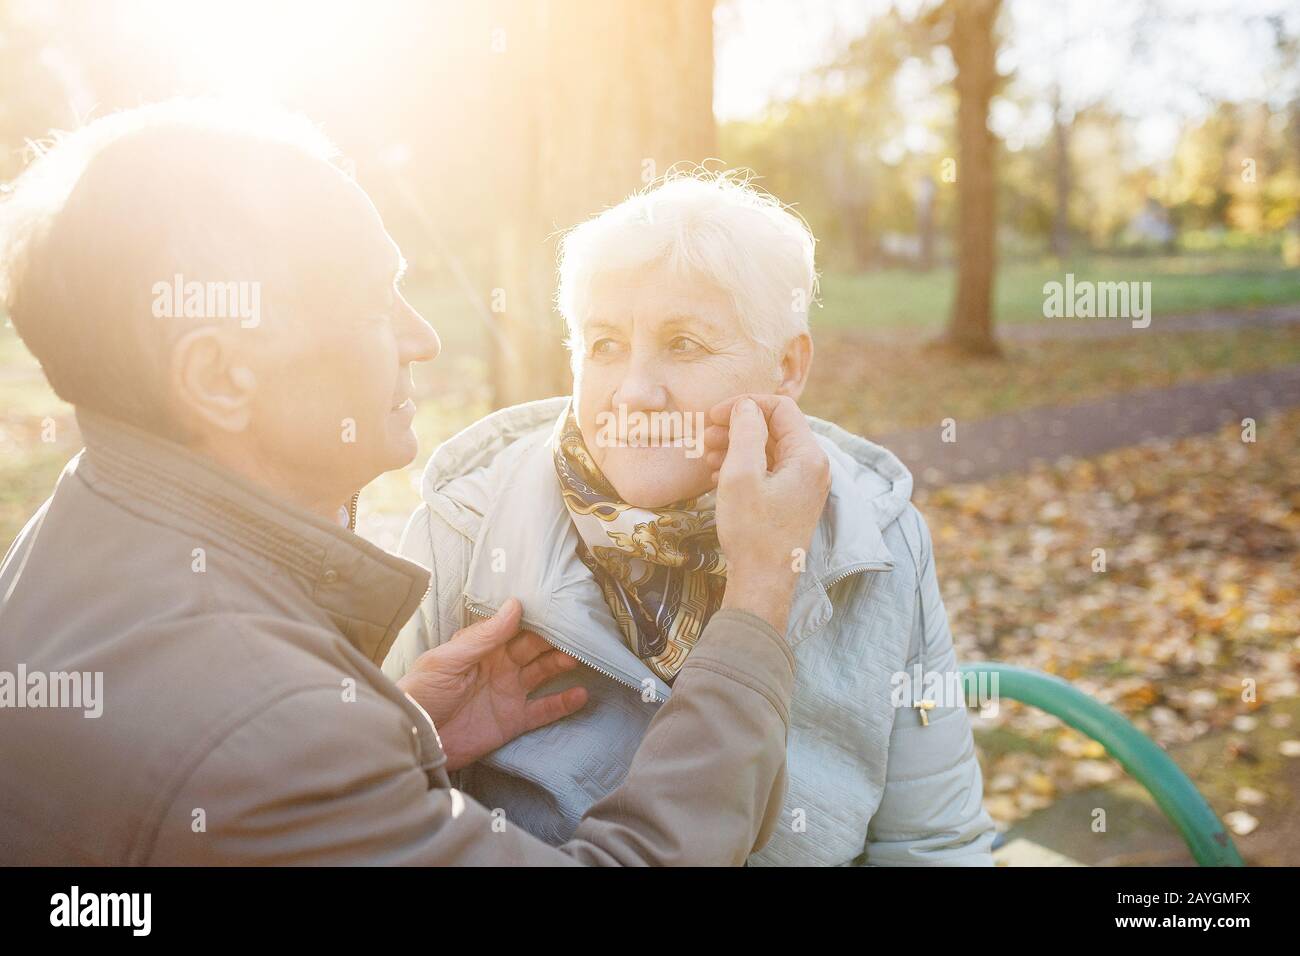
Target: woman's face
(658, 351)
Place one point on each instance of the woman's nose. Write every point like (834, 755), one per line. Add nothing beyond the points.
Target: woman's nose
(640, 389)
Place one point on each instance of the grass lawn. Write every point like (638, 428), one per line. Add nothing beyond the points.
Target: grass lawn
(895, 298)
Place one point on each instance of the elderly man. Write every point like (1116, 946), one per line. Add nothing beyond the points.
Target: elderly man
(220, 305)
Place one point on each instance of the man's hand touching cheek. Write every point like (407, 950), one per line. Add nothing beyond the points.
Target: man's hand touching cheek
(773, 479)
(476, 686)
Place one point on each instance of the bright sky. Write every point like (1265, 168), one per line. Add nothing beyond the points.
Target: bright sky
(763, 47)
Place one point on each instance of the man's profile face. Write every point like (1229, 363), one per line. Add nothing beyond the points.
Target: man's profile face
(334, 393)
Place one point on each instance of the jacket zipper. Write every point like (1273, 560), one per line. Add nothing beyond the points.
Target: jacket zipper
(483, 611)
(352, 526)
(856, 569)
(486, 612)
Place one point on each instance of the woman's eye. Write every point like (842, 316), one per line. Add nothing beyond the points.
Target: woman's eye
(602, 346)
(682, 343)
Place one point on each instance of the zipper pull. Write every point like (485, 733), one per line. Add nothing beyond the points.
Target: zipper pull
(924, 706)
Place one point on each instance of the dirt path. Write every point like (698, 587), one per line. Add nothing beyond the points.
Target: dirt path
(1219, 320)
(1012, 442)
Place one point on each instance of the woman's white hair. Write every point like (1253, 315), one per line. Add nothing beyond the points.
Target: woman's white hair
(711, 225)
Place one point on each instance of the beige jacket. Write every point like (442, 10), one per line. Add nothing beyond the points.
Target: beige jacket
(245, 719)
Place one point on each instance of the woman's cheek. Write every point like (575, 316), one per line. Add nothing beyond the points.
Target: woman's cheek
(703, 384)
(591, 396)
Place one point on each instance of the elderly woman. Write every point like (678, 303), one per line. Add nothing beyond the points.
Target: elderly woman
(597, 512)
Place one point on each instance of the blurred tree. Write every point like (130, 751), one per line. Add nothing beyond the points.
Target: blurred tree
(481, 130)
(1197, 182)
(1284, 189)
(822, 154)
(606, 96)
(854, 154)
(1109, 186)
(1237, 169)
(1061, 128)
(925, 221)
(967, 28)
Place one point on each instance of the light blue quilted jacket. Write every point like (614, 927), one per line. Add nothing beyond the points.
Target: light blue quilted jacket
(868, 781)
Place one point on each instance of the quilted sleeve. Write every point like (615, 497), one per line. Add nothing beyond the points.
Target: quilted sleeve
(931, 812)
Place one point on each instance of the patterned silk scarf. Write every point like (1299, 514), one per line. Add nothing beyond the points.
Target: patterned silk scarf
(660, 569)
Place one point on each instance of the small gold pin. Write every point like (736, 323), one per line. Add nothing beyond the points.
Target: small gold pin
(925, 706)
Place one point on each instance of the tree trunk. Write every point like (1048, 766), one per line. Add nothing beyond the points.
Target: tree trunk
(1061, 155)
(616, 92)
(970, 327)
(925, 222)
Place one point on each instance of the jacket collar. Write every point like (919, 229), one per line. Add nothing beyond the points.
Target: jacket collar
(526, 547)
(524, 543)
(367, 592)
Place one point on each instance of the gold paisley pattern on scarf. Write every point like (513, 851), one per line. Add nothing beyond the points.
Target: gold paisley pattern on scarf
(660, 570)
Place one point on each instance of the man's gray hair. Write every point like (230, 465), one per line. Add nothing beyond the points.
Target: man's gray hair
(203, 188)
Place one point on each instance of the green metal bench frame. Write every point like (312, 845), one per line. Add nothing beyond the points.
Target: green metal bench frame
(1144, 760)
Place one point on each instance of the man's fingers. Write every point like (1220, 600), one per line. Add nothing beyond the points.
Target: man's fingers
(720, 414)
(471, 644)
(790, 437)
(746, 449)
(787, 425)
(526, 647)
(539, 671)
(715, 436)
(547, 710)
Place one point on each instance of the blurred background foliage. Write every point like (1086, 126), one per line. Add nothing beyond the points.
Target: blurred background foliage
(482, 129)
(1155, 141)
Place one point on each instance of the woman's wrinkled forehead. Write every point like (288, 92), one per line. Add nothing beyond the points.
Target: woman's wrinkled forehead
(661, 295)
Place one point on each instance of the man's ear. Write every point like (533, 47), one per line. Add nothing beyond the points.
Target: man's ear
(209, 383)
(796, 363)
